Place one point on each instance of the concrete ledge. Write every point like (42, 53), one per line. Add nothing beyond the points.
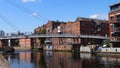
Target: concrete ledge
(85, 49)
(109, 54)
(110, 50)
(23, 48)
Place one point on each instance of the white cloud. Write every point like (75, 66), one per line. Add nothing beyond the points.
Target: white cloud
(99, 16)
(28, 1)
(94, 16)
(34, 14)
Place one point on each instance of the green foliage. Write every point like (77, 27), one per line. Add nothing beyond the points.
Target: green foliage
(94, 41)
(92, 51)
(42, 31)
(106, 42)
(42, 39)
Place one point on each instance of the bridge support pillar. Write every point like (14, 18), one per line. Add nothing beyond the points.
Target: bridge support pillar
(9, 42)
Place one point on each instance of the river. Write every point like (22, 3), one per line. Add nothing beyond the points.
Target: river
(50, 59)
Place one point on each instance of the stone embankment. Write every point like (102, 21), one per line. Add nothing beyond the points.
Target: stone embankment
(4, 63)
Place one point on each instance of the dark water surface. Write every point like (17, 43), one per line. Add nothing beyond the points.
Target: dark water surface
(49, 59)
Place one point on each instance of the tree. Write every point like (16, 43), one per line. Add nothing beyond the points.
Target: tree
(106, 42)
(43, 31)
(42, 39)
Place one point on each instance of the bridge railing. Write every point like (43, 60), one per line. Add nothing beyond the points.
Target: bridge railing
(94, 36)
(31, 35)
(18, 34)
(53, 35)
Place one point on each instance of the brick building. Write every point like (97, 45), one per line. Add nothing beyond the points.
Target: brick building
(90, 26)
(57, 27)
(38, 30)
(84, 26)
(114, 24)
(25, 43)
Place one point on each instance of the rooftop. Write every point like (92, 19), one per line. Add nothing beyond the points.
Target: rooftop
(91, 19)
(115, 4)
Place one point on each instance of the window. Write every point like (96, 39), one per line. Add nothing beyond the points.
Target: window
(112, 26)
(118, 16)
(112, 17)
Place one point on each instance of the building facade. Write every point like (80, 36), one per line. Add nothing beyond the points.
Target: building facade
(82, 26)
(39, 30)
(90, 26)
(114, 24)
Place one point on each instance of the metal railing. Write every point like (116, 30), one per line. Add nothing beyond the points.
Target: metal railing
(94, 36)
(115, 39)
(52, 36)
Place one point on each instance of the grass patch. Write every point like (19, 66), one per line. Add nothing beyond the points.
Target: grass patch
(37, 49)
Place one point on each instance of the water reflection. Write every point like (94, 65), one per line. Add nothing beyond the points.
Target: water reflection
(49, 59)
(20, 60)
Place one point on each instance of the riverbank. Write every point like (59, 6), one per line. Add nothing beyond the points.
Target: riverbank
(117, 55)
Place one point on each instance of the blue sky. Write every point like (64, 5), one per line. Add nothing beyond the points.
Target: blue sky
(26, 14)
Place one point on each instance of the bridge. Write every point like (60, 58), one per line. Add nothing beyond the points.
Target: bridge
(32, 36)
(51, 36)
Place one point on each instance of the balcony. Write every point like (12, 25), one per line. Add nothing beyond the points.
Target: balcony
(115, 39)
(117, 29)
(114, 10)
(116, 34)
(118, 20)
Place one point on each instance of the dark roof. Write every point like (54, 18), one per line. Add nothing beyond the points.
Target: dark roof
(91, 19)
(115, 4)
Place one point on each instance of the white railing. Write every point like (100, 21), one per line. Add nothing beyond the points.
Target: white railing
(94, 36)
(53, 36)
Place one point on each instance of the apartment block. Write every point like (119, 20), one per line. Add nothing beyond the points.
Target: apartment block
(114, 24)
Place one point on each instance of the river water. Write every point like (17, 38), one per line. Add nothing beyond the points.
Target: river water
(49, 59)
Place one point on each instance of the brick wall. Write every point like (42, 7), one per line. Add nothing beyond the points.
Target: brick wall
(25, 43)
(112, 21)
(85, 26)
